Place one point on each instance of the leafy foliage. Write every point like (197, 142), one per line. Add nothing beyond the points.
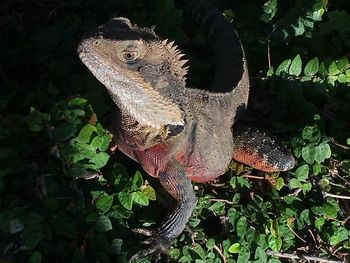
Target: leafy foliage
(66, 197)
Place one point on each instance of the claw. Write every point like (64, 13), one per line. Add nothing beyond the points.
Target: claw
(143, 231)
(143, 253)
(157, 244)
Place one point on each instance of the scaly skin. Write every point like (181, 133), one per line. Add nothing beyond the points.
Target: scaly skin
(177, 134)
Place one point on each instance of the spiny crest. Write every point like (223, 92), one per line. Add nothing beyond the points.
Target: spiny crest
(177, 57)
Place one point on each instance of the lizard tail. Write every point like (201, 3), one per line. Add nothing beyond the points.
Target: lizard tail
(230, 64)
(256, 149)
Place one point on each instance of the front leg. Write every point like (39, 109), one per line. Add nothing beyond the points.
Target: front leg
(176, 183)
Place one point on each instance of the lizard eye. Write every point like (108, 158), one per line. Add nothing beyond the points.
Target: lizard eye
(129, 56)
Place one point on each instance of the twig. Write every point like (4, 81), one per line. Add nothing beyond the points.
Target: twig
(294, 256)
(341, 145)
(218, 250)
(268, 46)
(253, 177)
(296, 234)
(220, 253)
(221, 200)
(345, 220)
(296, 192)
(268, 53)
(325, 194)
(218, 184)
(338, 185)
(312, 235)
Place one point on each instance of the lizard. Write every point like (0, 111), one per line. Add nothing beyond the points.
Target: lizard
(178, 134)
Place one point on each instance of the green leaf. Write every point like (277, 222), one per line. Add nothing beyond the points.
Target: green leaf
(283, 68)
(101, 142)
(32, 235)
(341, 235)
(332, 79)
(296, 66)
(333, 69)
(200, 251)
(103, 224)
(311, 134)
(325, 184)
(342, 78)
(294, 183)
(270, 72)
(308, 153)
(305, 216)
(322, 152)
(345, 165)
(35, 257)
(125, 199)
(343, 64)
(243, 182)
(279, 183)
(193, 222)
(243, 256)
(210, 244)
(317, 14)
(149, 192)
(241, 226)
(100, 159)
(270, 9)
(311, 67)
(116, 246)
(323, 69)
(236, 197)
(63, 132)
(91, 217)
(137, 181)
(231, 213)
(316, 168)
(250, 235)
(85, 151)
(217, 207)
(35, 121)
(85, 133)
(139, 198)
(299, 29)
(104, 203)
(80, 102)
(306, 187)
(260, 254)
(331, 208)
(319, 222)
(302, 173)
(275, 243)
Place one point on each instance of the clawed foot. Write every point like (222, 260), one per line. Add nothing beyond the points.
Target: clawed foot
(157, 244)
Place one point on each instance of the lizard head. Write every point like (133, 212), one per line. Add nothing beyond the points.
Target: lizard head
(137, 68)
